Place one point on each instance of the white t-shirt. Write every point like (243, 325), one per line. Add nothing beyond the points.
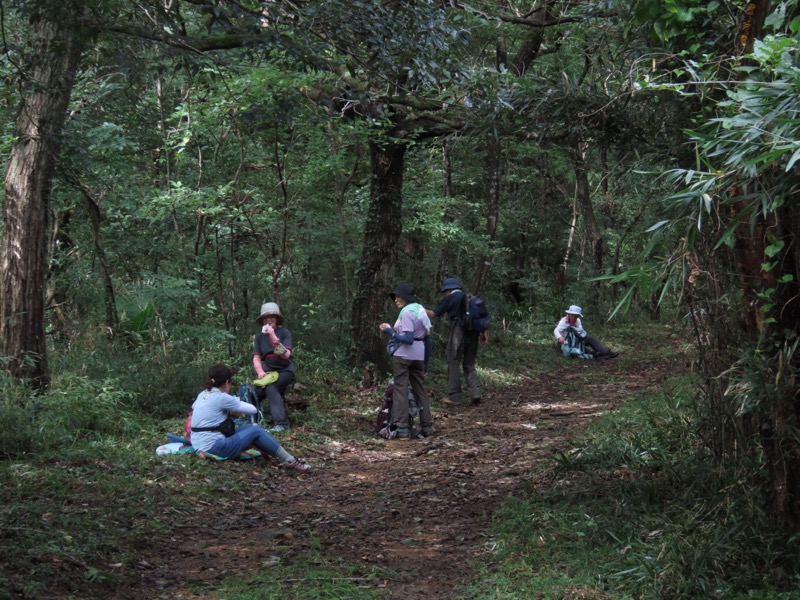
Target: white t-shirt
(210, 409)
(563, 325)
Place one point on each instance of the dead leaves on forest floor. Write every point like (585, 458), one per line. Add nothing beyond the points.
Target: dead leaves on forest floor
(419, 509)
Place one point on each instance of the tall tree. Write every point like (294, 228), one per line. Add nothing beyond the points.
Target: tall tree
(378, 256)
(58, 37)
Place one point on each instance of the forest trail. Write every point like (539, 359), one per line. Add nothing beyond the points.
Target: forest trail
(419, 509)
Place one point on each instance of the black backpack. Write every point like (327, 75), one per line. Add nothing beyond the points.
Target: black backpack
(476, 314)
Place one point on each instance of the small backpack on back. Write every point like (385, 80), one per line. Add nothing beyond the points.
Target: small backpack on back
(476, 314)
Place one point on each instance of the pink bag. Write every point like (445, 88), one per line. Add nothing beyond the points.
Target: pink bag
(187, 427)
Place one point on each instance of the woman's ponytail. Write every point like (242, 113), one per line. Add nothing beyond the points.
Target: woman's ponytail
(218, 375)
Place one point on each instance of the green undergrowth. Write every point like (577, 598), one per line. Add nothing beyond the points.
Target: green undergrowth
(634, 510)
(318, 576)
(631, 511)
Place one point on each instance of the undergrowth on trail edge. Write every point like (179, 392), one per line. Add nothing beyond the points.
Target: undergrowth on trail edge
(635, 511)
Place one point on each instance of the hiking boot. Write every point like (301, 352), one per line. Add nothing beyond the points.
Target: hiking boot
(425, 432)
(476, 400)
(450, 402)
(402, 433)
(609, 354)
(279, 429)
(297, 465)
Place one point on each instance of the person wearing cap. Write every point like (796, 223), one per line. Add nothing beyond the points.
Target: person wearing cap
(411, 329)
(462, 345)
(572, 319)
(272, 353)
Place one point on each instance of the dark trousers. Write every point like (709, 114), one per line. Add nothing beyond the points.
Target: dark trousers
(409, 372)
(274, 392)
(593, 343)
(462, 353)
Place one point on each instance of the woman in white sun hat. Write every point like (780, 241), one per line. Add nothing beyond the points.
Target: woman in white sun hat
(572, 320)
(272, 353)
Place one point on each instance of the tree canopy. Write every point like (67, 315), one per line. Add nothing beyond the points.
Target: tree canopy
(172, 165)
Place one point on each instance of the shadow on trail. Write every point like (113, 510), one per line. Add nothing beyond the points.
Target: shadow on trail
(421, 510)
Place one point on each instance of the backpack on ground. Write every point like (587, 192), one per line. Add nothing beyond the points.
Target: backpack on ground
(248, 394)
(476, 314)
(383, 422)
(573, 346)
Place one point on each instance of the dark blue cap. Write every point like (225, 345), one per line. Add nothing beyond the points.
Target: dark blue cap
(450, 283)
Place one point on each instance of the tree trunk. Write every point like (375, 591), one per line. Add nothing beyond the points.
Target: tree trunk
(443, 257)
(561, 276)
(29, 172)
(280, 166)
(493, 160)
(777, 326)
(531, 44)
(96, 217)
(593, 236)
(376, 268)
(775, 322)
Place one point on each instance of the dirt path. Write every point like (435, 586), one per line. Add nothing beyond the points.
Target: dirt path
(354, 507)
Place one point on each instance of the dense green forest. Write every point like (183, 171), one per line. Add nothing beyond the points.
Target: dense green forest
(171, 165)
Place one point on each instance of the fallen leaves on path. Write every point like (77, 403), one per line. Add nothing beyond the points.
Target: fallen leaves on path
(420, 509)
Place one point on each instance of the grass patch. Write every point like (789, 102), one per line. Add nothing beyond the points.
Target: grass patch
(634, 511)
(318, 577)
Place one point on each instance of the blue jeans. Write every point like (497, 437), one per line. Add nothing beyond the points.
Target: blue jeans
(244, 438)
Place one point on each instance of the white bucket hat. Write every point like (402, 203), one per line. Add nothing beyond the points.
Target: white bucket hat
(270, 308)
(574, 310)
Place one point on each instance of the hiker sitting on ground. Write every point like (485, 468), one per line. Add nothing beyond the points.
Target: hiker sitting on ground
(571, 323)
(272, 353)
(214, 406)
(408, 362)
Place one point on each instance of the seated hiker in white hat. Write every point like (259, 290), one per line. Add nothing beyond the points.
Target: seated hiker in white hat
(272, 353)
(572, 320)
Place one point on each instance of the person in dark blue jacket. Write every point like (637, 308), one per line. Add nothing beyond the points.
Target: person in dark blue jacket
(462, 345)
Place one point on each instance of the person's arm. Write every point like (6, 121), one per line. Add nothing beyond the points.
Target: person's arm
(257, 366)
(440, 309)
(244, 408)
(579, 329)
(285, 340)
(407, 337)
(560, 331)
(279, 348)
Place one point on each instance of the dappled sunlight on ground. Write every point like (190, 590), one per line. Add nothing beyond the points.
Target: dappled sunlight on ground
(419, 510)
